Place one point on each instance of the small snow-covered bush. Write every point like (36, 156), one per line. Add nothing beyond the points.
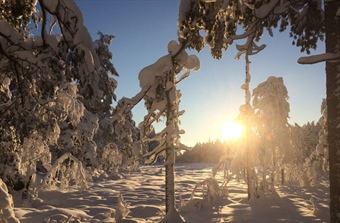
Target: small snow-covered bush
(111, 158)
(65, 172)
(210, 192)
(122, 209)
(210, 189)
(6, 205)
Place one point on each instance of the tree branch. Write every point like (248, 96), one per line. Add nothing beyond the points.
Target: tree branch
(319, 58)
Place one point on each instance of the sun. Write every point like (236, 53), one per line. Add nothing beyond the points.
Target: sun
(232, 130)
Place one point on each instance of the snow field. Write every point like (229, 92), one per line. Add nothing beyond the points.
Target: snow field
(144, 193)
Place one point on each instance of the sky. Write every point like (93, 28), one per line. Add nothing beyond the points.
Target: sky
(211, 96)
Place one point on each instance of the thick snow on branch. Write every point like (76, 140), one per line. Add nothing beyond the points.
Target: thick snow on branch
(67, 101)
(51, 5)
(6, 205)
(9, 32)
(319, 58)
(28, 57)
(74, 31)
(189, 62)
(65, 172)
(264, 10)
(184, 7)
(161, 80)
(282, 8)
(147, 75)
(83, 40)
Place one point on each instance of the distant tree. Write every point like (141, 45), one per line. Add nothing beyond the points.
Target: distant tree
(316, 163)
(307, 137)
(322, 146)
(302, 166)
(207, 152)
(309, 22)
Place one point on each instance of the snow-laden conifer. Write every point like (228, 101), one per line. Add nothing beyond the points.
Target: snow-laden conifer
(162, 99)
(270, 101)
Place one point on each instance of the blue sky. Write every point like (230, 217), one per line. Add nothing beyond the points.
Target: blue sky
(212, 95)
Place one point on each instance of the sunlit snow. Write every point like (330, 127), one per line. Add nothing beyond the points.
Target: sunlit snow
(143, 193)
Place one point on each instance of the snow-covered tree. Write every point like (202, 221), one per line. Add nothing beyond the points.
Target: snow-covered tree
(309, 21)
(316, 162)
(220, 20)
(322, 146)
(304, 164)
(125, 137)
(305, 138)
(162, 99)
(117, 130)
(45, 80)
(101, 105)
(270, 101)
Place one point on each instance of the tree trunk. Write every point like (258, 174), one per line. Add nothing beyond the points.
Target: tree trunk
(169, 179)
(273, 172)
(332, 26)
(169, 151)
(249, 183)
(264, 171)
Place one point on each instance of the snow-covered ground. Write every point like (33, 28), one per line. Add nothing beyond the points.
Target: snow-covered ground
(144, 192)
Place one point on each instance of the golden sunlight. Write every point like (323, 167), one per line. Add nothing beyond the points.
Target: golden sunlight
(232, 130)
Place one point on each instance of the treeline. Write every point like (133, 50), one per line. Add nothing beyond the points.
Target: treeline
(208, 152)
(303, 140)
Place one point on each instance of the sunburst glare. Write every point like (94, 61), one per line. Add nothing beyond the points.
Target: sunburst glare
(232, 130)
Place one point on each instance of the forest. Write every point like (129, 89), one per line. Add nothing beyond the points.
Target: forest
(60, 130)
(211, 151)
